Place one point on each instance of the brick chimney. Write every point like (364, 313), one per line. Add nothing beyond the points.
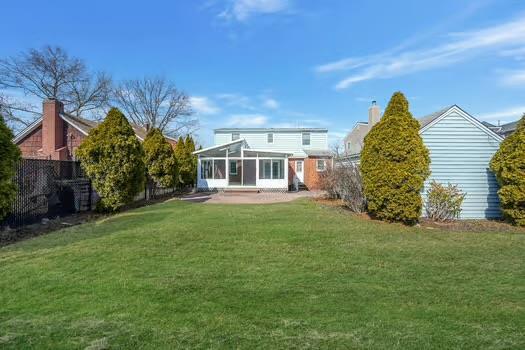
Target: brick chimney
(53, 142)
(374, 114)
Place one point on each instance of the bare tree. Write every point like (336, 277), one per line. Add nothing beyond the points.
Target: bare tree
(156, 102)
(51, 73)
(337, 148)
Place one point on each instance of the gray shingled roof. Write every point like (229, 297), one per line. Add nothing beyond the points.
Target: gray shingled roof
(317, 153)
(509, 127)
(424, 121)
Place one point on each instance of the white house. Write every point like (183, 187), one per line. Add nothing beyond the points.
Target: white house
(264, 159)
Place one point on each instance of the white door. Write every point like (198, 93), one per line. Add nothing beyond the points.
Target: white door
(299, 170)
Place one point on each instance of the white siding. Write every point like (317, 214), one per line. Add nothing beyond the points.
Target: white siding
(460, 153)
(284, 141)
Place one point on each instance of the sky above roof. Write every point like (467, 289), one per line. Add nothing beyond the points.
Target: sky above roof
(291, 63)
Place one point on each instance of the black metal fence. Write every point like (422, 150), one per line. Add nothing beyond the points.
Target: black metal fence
(47, 189)
(53, 188)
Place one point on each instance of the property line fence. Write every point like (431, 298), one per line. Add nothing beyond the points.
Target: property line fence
(47, 189)
(53, 188)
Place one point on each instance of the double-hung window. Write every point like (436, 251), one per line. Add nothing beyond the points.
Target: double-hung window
(321, 165)
(306, 139)
(270, 138)
(235, 136)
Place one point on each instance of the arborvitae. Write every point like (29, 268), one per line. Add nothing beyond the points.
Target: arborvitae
(113, 158)
(192, 160)
(395, 164)
(9, 157)
(180, 155)
(509, 166)
(160, 159)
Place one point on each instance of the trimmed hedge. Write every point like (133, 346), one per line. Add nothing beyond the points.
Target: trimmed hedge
(509, 166)
(113, 158)
(395, 164)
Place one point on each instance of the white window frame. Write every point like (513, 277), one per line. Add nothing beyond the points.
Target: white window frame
(268, 137)
(309, 138)
(317, 165)
(238, 136)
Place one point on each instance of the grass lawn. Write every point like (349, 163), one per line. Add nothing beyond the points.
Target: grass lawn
(293, 275)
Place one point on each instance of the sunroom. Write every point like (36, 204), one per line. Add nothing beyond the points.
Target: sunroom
(234, 165)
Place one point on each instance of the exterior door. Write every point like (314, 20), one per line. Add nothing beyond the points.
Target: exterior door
(299, 170)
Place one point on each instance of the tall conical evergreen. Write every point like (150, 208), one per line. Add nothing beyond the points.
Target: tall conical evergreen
(113, 158)
(192, 160)
(9, 157)
(159, 159)
(509, 166)
(180, 155)
(395, 164)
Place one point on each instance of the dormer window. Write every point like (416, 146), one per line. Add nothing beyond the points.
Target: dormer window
(306, 139)
(235, 136)
(270, 138)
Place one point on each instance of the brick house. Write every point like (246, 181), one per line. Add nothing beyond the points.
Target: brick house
(57, 135)
(264, 159)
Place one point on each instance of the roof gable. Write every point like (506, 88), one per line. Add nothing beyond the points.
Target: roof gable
(431, 120)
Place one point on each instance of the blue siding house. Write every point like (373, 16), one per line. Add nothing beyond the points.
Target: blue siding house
(461, 148)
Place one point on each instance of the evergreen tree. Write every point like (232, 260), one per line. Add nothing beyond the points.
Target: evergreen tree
(395, 164)
(192, 160)
(160, 159)
(509, 166)
(113, 158)
(9, 157)
(180, 155)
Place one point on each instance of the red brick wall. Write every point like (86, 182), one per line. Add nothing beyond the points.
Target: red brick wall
(311, 175)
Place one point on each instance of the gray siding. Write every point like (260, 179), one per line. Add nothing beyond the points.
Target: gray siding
(285, 141)
(460, 152)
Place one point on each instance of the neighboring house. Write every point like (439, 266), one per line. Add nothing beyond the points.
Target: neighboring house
(56, 135)
(354, 141)
(264, 159)
(461, 148)
(503, 130)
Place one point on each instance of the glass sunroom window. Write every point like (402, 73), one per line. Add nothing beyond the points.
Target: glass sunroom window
(271, 169)
(207, 169)
(219, 169)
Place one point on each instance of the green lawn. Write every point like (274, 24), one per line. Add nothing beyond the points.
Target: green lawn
(293, 275)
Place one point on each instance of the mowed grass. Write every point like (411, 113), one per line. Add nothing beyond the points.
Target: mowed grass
(293, 275)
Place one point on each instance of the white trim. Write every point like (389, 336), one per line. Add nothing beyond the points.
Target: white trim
(317, 165)
(266, 151)
(465, 115)
(67, 120)
(30, 128)
(218, 146)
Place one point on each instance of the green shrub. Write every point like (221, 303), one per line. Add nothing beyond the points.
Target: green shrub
(186, 161)
(395, 164)
(9, 156)
(509, 166)
(113, 158)
(160, 159)
(443, 202)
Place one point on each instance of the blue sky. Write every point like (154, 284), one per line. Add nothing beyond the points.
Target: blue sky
(295, 63)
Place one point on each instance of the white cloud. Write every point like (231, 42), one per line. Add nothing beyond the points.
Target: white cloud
(242, 10)
(507, 114)
(460, 46)
(203, 105)
(271, 103)
(247, 120)
(516, 77)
